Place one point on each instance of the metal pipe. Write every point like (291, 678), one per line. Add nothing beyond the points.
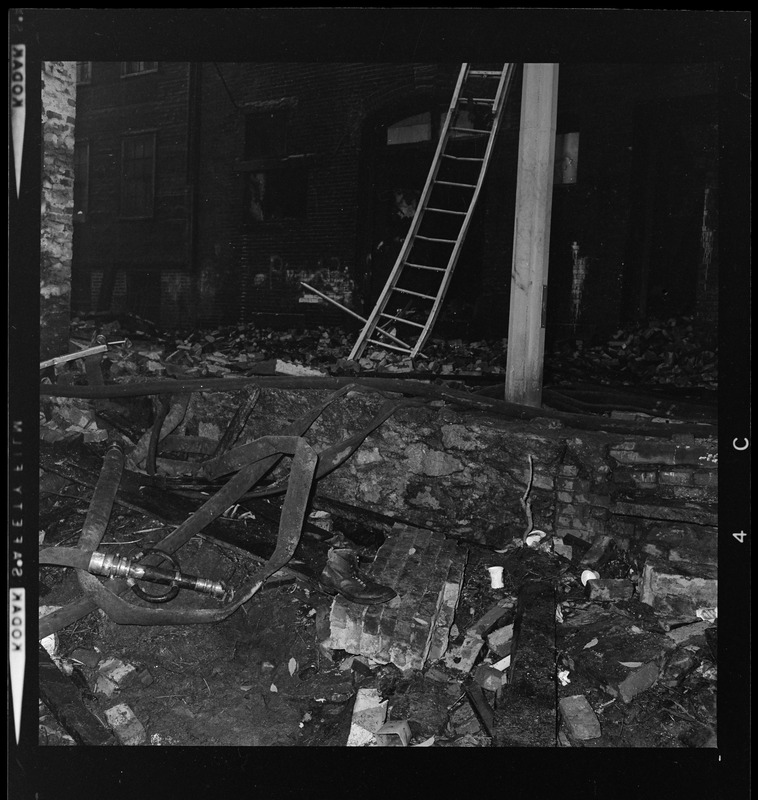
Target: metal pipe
(334, 302)
(90, 351)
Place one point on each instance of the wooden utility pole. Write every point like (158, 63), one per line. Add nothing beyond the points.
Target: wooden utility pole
(531, 239)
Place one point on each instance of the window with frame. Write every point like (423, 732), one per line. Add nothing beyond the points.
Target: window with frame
(275, 184)
(81, 181)
(83, 72)
(138, 175)
(137, 67)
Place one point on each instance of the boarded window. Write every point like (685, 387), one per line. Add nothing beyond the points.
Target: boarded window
(138, 175)
(81, 181)
(137, 67)
(83, 71)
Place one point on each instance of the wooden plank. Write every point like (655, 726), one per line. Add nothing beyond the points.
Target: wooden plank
(531, 239)
(60, 695)
(482, 708)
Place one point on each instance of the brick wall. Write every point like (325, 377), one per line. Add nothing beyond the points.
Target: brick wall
(58, 124)
(243, 271)
(143, 252)
(257, 268)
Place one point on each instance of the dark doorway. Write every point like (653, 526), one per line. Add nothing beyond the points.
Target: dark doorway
(675, 156)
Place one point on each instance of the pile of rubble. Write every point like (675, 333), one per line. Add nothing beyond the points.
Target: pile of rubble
(677, 352)
(540, 651)
(476, 641)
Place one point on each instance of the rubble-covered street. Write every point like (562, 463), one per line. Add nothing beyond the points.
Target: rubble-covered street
(585, 639)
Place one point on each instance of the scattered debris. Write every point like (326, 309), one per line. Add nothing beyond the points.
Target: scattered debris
(490, 678)
(673, 592)
(369, 713)
(421, 649)
(640, 680)
(496, 577)
(598, 552)
(610, 589)
(113, 675)
(396, 734)
(589, 575)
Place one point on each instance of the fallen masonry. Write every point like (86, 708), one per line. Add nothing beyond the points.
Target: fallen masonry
(426, 570)
(431, 487)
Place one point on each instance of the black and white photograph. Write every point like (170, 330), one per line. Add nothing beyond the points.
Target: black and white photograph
(379, 397)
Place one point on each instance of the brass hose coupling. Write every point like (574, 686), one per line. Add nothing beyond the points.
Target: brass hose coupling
(115, 566)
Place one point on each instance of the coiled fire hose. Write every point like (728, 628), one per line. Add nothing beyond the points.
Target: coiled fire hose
(303, 469)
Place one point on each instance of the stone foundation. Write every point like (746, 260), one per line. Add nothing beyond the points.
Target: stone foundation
(463, 474)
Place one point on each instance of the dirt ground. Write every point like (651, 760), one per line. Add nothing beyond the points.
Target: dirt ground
(260, 677)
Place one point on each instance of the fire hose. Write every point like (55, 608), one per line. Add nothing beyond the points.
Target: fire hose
(304, 461)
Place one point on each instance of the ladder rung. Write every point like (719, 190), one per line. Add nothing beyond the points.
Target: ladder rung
(485, 73)
(435, 239)
(391, 346)
(469, 130)
(424, 266)
(462, 158)
(453, 183)
(489, 101)
(405, 321)
(416, 294)
(446, 211)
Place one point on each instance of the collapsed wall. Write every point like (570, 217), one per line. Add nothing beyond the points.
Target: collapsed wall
(464, 474)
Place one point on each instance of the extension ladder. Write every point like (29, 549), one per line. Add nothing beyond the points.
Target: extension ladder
(433, 243)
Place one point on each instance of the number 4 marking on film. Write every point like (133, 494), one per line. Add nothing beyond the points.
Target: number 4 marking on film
(740, 537)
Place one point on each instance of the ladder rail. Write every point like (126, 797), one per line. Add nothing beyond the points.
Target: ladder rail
(505, 77)
(503, 88)
(397, 269)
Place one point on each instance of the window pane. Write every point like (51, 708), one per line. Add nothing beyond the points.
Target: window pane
(137, 169)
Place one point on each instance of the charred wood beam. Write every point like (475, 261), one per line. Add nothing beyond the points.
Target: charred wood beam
(137, 493)
(238, 421)
(63, 698)
(413, 388)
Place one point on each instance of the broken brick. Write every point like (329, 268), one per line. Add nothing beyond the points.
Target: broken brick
(604, 589)
(488, 621)
(126, 727)
(671, 590)
(597, 551)
(464, 657)
(579, 718)
(638, 681)
(489, 678)
(499, 641)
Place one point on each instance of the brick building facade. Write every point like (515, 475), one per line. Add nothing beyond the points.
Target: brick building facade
(214, 189)
(57, 200)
